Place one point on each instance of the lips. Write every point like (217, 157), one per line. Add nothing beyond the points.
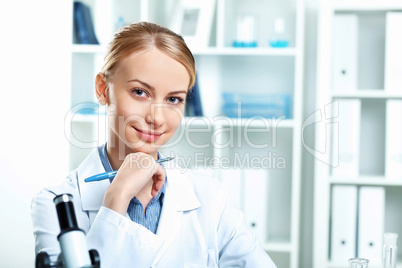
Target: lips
(149, 136)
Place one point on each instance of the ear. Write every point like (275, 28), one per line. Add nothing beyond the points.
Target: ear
(101, 88)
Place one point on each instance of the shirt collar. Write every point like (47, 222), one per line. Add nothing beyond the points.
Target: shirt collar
(104, 159)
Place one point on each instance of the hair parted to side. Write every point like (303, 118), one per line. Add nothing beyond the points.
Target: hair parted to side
(142, 36)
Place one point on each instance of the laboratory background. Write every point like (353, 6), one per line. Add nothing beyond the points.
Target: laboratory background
(297, 109)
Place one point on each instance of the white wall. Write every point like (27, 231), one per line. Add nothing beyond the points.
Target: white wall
(33, 101)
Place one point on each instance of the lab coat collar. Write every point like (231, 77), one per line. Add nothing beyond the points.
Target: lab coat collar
(180, 195)
(180, 190)
(91, 192)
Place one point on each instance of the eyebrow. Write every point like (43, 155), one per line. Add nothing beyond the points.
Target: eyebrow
(142, 83)
(178, 92)
(152, 88)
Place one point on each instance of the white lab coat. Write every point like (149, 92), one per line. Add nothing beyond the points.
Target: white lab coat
(197, 226)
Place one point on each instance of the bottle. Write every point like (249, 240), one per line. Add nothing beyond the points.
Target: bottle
(358, 263)
(245, 32)
(279, 39)
(389, 251)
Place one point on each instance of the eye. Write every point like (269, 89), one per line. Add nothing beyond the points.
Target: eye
(139, 92)
(175, 100)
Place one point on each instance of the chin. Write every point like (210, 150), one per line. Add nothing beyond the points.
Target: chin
(147, 149)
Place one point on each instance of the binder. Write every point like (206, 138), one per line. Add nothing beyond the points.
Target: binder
(83, 25)
(346, 139)
(193, 101)
(256, 202)
(371, 223)
(345, 44)
(343, 223)
(232, 178)
(393, 146)
(393, 52)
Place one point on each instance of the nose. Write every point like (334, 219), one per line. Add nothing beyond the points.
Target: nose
(155, 116)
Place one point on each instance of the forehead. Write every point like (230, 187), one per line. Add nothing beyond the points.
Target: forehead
(152, 65)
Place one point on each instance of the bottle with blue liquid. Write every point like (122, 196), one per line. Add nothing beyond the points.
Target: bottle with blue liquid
(279, 39)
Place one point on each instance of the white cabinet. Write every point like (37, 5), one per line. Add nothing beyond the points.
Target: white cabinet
(215, 143)
(357, 75)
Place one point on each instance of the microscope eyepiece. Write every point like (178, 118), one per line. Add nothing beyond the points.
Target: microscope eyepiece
(65, 212)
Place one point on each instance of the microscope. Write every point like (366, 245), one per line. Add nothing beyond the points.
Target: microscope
(74, 251)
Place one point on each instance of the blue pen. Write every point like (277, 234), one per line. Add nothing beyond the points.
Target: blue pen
(112, 174)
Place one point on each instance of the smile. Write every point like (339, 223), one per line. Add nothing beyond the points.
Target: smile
(148, 136)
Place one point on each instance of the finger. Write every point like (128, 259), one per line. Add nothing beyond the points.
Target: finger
(157, 186)
(158, 181)
(154, 192)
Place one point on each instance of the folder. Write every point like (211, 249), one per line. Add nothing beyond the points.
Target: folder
(344, 52)
(256, 202)
(193, 101)
(393, 146)
(371, 223)
(343, 223)
(393, 52)
(232, 178)
(346, 139)
(83, 25)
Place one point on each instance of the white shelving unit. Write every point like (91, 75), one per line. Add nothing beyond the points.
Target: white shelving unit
(220, 68)
(373, 96)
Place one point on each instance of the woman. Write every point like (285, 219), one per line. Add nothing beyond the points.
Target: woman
(148, 215)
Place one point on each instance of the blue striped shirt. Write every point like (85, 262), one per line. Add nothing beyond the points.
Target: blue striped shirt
(135, 209)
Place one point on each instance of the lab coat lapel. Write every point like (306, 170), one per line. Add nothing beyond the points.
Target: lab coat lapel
(179, 197)
(92, 192)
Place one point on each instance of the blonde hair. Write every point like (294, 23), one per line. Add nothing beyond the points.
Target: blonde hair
(141, 36)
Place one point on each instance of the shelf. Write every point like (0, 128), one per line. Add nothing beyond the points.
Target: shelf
(277, 247)
(343, 265)
(87, 118)
(360, 5)
(99, 49)
(203, 121)
(367, 22)
(249, 122)
(339, 265)
(367, 93)
(231, 51)
(367, 180)
(224, 121)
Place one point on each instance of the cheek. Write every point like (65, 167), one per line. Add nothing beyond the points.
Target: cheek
(123, 116)
(174, 117)
(125, 109)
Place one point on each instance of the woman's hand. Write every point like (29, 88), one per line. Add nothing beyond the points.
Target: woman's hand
(139, 173)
